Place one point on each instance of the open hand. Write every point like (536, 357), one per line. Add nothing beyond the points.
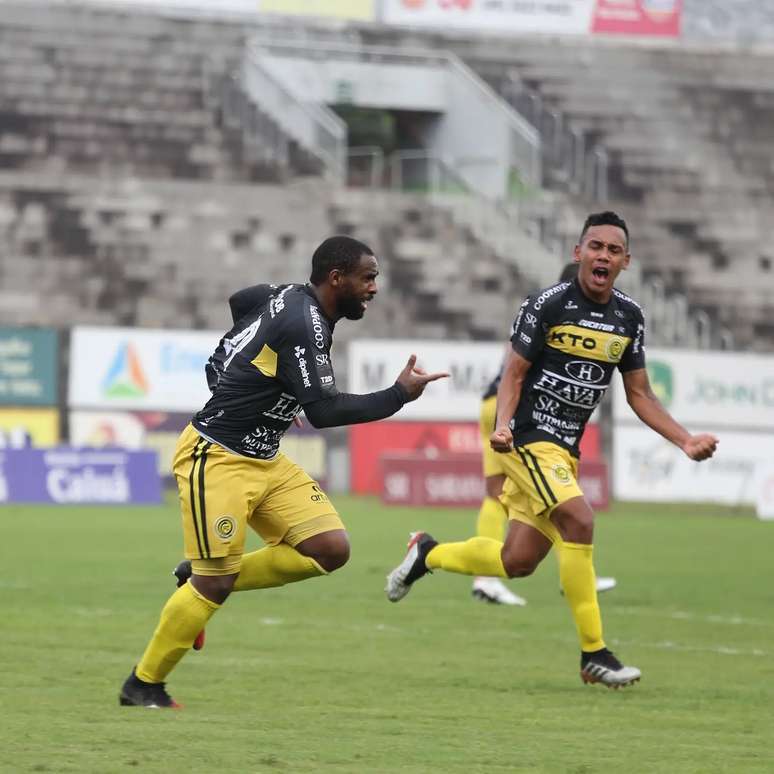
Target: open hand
(414, 380)
(700, 447)
(501, 439)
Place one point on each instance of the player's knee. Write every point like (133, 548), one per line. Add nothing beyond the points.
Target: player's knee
(216, 588)
(331, 551)
(517, 565)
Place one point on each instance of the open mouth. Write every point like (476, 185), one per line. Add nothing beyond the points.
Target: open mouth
(600, 273)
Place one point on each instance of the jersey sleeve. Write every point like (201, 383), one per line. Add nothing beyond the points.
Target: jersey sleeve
(304, 363)
(248, 298)
(528, 331)
(634, 355)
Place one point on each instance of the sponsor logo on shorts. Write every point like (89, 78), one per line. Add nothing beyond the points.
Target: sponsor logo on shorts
(562, 474)
(319, 496)
(225, 527)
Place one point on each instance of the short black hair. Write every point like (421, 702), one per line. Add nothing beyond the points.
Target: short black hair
(337, 252)
(569, 272)
(606, 218)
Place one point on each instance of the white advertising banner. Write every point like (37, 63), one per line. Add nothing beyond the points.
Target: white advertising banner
(654, 18)
(708, 390)
(649, 468)
(131, 368)
(549, 16)
(375, 364)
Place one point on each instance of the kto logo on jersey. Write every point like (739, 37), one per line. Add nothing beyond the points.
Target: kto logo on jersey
(584, 371)
(225, 527)
(125, 378)
(317, 327)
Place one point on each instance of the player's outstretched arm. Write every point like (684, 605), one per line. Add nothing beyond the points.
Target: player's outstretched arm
(414, 380)
(508, 395)
(648, 408)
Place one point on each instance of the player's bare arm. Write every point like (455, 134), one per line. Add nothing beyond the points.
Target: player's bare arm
(508, 394)
(649, 409)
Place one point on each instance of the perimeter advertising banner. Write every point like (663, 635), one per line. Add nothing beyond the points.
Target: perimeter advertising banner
(38, 427)
(650, 469)
(130, 368)
(340, 9)
(375, 364)
(65, 476)
(725, 393)
(370, 442)
(708, 390)
(28, 366)
(660, 18)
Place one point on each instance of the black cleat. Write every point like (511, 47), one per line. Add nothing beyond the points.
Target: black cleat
(183, 572)
(602, 666)
(412, 568)
(138, 693)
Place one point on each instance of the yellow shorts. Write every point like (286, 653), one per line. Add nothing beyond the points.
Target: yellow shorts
(221, 493)
(492, 460)
(540, 476)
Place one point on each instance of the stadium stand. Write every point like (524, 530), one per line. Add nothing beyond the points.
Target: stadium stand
(132, 162)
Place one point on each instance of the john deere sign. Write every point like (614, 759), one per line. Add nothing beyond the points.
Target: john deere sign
(709, 389)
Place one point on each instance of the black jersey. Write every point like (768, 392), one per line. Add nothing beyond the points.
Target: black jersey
(273, 361)
(574, 345)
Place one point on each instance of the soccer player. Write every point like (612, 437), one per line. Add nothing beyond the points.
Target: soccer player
(274, 362)
(567, 341)
(493, 515)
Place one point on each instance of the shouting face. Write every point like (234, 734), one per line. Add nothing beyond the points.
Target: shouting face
(602, 254)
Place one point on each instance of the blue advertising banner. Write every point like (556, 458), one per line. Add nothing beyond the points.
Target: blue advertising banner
(28, 366)
(68, 476)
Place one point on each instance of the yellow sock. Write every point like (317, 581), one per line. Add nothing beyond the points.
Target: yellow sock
(475, 556)
(576, 574)
(275, 566)
(491, 519)
(182, 618)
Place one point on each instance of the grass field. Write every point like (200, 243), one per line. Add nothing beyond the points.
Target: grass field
(327, 676)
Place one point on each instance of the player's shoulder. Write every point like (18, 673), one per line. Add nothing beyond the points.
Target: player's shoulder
(627, 304)
(550, 297)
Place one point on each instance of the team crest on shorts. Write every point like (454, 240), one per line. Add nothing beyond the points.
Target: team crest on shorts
(225, 527)
(562, 474)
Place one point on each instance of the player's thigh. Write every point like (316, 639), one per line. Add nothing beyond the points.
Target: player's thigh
(294, 507)
(526, 545)
(217, 490)
(491, 460)
(540, 476)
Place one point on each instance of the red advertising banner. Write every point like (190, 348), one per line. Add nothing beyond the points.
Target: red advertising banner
(456, 480)
(659, 18)
(369, 442)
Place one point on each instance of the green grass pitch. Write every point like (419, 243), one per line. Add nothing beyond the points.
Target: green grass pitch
(327, 676)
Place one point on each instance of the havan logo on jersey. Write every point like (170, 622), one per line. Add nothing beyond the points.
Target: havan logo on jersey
(584, 342)
(569, 391)
(125, 378)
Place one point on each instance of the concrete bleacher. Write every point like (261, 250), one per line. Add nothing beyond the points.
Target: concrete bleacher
(689, 155)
